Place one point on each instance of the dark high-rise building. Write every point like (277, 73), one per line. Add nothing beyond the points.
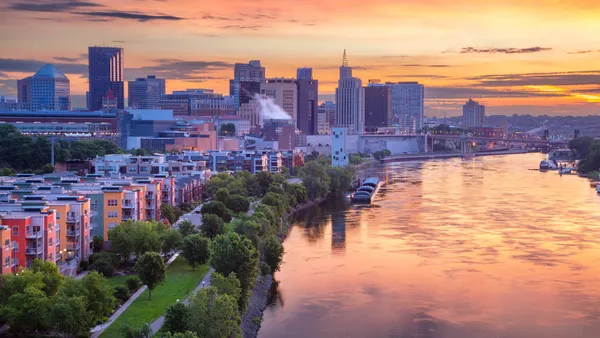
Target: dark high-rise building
(145, 92)
(106, 73)
(24, 92)
(378, 106)
(308, 106)
(245, 72)
(473, 114)
(304, 74)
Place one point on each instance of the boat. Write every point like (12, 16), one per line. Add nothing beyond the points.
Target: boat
(545, 165)
(565, 170)
(598, 188)
(366, 192)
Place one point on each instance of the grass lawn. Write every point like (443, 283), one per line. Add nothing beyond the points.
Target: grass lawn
(180, 281)
(118, 280)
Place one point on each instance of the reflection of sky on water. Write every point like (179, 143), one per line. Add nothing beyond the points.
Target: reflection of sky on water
(469, 249)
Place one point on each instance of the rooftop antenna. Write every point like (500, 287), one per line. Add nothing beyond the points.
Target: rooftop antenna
(344, 60)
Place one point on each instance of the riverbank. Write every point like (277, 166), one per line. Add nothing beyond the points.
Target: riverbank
(433, 156)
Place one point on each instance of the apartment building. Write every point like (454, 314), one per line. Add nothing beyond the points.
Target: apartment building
(6, 250)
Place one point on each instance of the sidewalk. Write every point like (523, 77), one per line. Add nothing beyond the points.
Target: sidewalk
(157, 324)
(97, 331)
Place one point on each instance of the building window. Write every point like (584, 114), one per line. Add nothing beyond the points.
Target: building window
(143, 169)
(50, 256)
(113, 214)
(50, 241)
(15, 231)
(58, 215)
(7, 261)
(94, 203)
(113, 203)
(7, 244)
(112, 226)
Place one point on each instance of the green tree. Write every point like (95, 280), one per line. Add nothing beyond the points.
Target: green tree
(264, 180)
(121, 242)
(186, 228)
(213, 315)
(582, 146)
(222, 195)
(238, 203)
(150, 267)
(168, 213)
(217, 208)
(212, 226)
(27, 311)
(229, 285)
(171, 240)
(187, 334)
(300, 193)
(227, 129)
(99, 295)
(250, 229)
(176, 318)
(196, 250)
(145, 331)
(278, 202)
(315, 179)
(355, 159)
(51, 277)
(285, 171)
(7, 172)
(340, 180)
(98, 243)
(69, 316)
(273, 253)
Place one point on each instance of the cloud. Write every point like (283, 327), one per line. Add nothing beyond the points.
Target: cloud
(581, 52)
(2, 75)
(219, 17)
(588, 77)
(433, 92)
(246, 27)
(424, 76)
(177, 69)
(67, 59)
(472, 50)
(420, 65)
(130, 16)
(32, 66)
(52, 6)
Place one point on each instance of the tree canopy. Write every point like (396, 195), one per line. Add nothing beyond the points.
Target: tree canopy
(150, 267)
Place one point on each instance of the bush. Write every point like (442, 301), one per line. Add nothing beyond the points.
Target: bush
(104, 256)
(83, 265)
(103, 267)
(122, 293)
(265, 269)
(217, 208)
(176, 318)
(133, 283)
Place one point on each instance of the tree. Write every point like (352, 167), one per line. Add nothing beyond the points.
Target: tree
(232, 253)
(196, 250)
(217, 208)
(171, 240)
(186, 228)
(213, 315)
(250, 229)
(151, 270)
(121, 242)
(141, 332)
(187, 334)
(46, 169)
(340, 180)
(227, 129)
(582, 146)
(229, 285)
(222, 195)
(264, 180)
(212, 226)
(238, 204)
(168, 213)
(315, 179)
(273, 253)
(176, 318)
(98, 243)
(285, 171)
(69, 315)
(355, 159)
(27, 311)
(103, 267)
(51, 277)
(300, 193)
(99, 295)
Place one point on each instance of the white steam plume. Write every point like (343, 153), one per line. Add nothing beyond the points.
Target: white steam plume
(269, 109)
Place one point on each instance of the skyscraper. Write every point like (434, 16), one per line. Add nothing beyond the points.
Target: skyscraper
(304, 74)
(349, 97)
(473, 114)
(144, 93)
(408, 104)
(47, 89)
(284, 93)
(247, 78)
(106, 72)
(308, 105)
(378, 106)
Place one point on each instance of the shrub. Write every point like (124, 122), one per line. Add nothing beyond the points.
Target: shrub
(133, 283)
(122, 293)
(176, 318)
(103, 267)
(265, 269)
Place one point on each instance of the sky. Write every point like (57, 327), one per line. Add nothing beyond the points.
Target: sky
(516, 57)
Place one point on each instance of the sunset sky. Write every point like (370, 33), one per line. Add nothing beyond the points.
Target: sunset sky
(526, 56)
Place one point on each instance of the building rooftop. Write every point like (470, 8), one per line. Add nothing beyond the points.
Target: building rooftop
(50, 71)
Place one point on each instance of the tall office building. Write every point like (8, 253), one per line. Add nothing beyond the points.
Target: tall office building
(349, 97)
(47, 89)
(408, 104)
(473, 114)
(304, 74)
(378, 106)
(308, 104)
(106, 72)
(245, 78)
(144, 93)
(284, 93)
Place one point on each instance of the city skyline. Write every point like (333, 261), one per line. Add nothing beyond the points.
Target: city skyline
(514, 57)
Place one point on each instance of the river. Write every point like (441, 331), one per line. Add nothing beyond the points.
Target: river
(455, 248)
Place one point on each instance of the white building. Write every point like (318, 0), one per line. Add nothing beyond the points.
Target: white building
(339, 156)
(473, 114)
(284, 93)
(350, 105)
(408, 104)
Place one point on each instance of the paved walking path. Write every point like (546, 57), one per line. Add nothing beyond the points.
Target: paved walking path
(97, 331)
(157, 324)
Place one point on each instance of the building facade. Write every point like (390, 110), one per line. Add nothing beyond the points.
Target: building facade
(106, 73)
(307, 119)
(350, 107)
(144, 93)
(339, 157)
(473, 114)
(408, 104)
(378, 107)
(247, 78)
(304, 74)
(48, 89)
(284, 93)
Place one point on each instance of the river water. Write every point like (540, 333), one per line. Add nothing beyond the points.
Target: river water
(449, 249)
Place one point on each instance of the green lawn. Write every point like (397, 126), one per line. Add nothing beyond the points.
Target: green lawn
(180, 281)
(118, 280)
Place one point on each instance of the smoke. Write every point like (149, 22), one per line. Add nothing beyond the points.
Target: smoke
(270, 110)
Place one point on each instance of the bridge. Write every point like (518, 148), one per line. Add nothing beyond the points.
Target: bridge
(536, 142)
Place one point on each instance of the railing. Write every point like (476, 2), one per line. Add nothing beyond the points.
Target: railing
(14, 246)
(58, 257)
(57, 241)
(15, 262)
(73, 246)
(34, 251)
(74, 233)
(72, 219)
(128, 206)
(34, 234)
(126, 218)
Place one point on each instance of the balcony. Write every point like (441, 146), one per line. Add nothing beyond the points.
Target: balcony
(72, 219)
(149, 196)
(127, 218)
(34, 234)
(73, 246)
(57, 241)
(15, 262)
(128, 206)
(58, 256)
(34, 251)
(74, 233)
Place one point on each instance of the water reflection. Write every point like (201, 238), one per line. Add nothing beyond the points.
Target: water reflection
(477, 248)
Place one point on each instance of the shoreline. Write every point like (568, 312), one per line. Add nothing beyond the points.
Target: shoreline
(435, 156)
